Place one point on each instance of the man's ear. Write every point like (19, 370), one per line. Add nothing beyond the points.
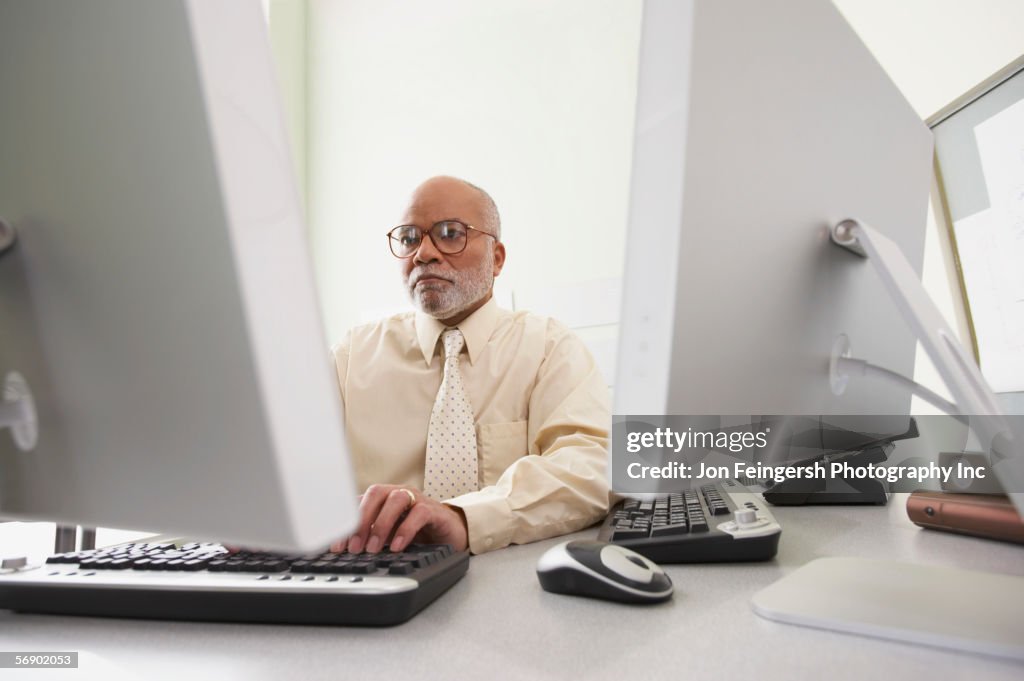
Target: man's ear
(499, 257)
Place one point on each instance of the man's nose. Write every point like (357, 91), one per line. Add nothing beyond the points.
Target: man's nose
(427, 252)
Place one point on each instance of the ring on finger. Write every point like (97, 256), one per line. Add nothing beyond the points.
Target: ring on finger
(412, 498)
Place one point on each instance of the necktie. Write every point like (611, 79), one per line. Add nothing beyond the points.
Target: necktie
(451, 467)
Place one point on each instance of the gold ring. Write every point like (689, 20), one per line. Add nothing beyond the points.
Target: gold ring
(412, 498)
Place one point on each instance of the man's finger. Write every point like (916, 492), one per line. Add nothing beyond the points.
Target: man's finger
(398, 502)
(369, 507)
(417, 518)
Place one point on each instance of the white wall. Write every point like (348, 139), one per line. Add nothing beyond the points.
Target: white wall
(287, 20)
(936, 50)
(531, 99)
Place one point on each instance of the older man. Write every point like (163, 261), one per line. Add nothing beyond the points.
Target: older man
(468, 424)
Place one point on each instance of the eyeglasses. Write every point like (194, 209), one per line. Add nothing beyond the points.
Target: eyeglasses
(448, 236)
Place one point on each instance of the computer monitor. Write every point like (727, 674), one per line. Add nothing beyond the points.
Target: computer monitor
(759, 127)
(158, 302)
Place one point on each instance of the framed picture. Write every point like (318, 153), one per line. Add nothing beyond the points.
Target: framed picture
(979, 153)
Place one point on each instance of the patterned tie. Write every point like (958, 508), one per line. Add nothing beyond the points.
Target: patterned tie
(451, 467)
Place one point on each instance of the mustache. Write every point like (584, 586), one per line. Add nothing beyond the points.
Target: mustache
(416, 275)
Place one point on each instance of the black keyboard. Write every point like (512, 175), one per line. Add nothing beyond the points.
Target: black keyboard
(716, 522)
(196, 581)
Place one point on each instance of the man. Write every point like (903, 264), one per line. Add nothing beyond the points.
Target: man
(468, 424)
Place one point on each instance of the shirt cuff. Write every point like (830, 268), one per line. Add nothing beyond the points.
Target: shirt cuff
(489, 520)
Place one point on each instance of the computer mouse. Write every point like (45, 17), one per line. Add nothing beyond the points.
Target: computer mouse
(598, 569)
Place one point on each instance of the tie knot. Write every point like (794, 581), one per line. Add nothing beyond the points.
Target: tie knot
(453, 343)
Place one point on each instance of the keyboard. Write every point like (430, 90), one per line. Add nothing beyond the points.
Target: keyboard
(203, 581)
(716, 522)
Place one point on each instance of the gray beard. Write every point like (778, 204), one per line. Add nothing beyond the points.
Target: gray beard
(466, 289)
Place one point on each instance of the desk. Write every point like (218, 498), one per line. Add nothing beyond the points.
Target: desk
(498, 624)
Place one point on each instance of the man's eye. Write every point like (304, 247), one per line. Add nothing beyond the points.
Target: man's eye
(407, 236)
(451, 231)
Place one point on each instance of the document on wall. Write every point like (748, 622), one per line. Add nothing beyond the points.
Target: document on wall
(991, 247)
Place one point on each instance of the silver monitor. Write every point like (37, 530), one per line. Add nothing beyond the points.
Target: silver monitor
(158, 302)
(759, 127)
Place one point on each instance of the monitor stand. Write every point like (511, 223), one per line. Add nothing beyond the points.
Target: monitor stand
(972, 395)
(837, 490)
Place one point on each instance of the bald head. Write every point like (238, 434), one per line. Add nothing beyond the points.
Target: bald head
(444, 192)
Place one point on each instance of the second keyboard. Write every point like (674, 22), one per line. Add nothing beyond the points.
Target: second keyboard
(716, 522)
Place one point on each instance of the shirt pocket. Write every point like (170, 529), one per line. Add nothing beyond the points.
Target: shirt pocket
(501, 444)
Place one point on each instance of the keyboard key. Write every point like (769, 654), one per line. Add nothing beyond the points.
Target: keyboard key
(670, 530)
(385, 561)
(340, 567)
(628, 533)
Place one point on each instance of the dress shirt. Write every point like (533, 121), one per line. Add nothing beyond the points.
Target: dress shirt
(540, 406)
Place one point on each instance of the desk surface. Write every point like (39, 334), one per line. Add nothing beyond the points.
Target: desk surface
(498, 623)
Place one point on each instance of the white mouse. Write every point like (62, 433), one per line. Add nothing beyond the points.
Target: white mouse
(601, 570)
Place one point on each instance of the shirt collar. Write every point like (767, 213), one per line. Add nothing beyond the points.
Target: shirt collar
(476, 329)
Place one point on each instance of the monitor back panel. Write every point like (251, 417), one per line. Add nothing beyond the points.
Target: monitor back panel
(159, 300)
(759, 125)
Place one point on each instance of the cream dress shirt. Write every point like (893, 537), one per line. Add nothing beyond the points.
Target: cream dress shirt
(540, 405)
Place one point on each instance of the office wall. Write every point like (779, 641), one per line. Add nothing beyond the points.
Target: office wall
(287, 19)
(533, 100)
(935, 50)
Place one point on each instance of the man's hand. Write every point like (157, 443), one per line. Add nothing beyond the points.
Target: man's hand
(404, 514)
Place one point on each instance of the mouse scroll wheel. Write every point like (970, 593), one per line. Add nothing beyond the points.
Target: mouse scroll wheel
(637, 561)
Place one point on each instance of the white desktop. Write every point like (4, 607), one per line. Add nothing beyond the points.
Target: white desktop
(759, 128)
